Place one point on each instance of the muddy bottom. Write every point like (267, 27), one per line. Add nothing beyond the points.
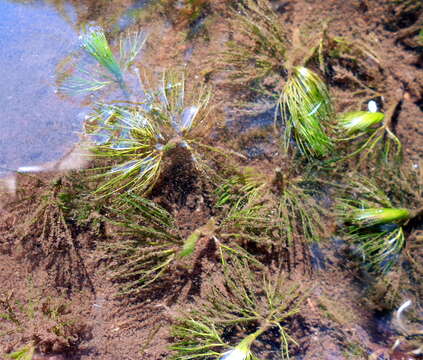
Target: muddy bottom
(61, 293)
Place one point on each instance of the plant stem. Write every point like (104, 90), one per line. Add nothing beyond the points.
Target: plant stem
(416, 213)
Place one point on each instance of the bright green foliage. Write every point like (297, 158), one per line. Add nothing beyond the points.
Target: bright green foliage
(190, 243)
(138, 137)
(370, 217)
(268, 54)
(359, 121)
(368, 143)
(372, 223)
(94, 42)
(88, 79)
(249, 304)
(307, 111)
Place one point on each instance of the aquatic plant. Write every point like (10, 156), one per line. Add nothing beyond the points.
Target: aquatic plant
(354, 65)
(373, 223)
(45, 236)
(274, 211)
(306, 108)
(368, 138)
(24, 353)
(149, 244)
(143, 138)
(87, 79)
(304, 101)
(47, 321)
(263, 51)
(229, 323)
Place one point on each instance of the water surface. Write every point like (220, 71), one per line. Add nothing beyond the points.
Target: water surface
(37, 125)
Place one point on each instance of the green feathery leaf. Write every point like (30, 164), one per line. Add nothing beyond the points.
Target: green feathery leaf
(306, 109)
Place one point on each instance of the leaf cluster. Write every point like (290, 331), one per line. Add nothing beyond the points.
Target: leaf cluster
(372, 222)
(148, 245)
(306, 109)
(247, 303)
(262, 53)
(82, 77)
(141, 137)
(46, 235)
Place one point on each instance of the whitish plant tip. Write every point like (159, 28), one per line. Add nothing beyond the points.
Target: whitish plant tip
(401, 309)
(303, 71)
(235, 354)
(372, 106)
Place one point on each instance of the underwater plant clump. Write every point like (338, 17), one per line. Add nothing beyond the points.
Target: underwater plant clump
(237, 315)
(141, 138)
(46, 236)
(277, 212)
(306, 108)
(43, 324)
(304, 101)
(373, 223)
(262, 53)
(150, 243)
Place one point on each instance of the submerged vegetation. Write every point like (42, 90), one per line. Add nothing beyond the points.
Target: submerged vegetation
(374, 224)
(44, 324)
(176, 211)
(306, 108)
(231, 321)
(141, 137)
(372, 139)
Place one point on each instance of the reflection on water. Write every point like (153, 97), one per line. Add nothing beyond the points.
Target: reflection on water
(38, 125)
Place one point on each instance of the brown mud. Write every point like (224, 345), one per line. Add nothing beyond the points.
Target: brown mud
(57, 289)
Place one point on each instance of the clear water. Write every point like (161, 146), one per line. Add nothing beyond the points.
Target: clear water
(37, 125)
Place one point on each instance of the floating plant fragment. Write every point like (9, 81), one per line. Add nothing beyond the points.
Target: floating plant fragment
(88, 79)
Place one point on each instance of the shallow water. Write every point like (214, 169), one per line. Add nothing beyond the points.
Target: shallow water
(37, 125)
